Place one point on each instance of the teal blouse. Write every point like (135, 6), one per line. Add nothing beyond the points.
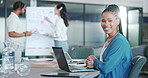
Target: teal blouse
(116, 59)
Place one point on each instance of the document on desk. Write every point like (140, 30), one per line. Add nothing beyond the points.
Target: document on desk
(41, 59)
(78, 60)
(77, 65)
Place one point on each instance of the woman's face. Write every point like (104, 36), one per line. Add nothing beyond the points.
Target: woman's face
(109, 22)
(57, 11)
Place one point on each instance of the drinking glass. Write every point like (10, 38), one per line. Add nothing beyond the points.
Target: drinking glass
(4, 73)
(24, 67)
(18, 52)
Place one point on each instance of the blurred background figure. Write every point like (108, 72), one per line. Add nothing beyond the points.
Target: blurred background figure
(15, 31)
(60, 27)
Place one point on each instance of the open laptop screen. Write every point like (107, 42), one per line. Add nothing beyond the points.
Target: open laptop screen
(58, 51)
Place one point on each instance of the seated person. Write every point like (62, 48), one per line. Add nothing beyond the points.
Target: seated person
(116, 55)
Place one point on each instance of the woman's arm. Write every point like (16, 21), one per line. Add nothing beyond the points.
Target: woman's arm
(113, 58)
(47, 19)
(52, 34)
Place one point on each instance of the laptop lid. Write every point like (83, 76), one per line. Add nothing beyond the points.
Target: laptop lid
(68, 57)
(58, 51)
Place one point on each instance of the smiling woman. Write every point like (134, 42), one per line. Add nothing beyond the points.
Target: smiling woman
(116, 55)
(111, 20)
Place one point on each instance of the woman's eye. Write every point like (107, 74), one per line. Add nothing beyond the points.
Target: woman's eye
(110, 21)
(103, 21)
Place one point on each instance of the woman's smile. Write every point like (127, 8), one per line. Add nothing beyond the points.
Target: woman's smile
(107, 28)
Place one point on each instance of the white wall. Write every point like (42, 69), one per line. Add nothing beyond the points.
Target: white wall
(145, 6)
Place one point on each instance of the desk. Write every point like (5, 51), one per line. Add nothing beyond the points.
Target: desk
(35, 72)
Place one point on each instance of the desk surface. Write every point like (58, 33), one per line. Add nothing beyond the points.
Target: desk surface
(36, 71)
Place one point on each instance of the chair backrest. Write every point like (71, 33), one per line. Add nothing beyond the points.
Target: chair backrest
(81, 52)
(146, 51)
(137, 64)
(138, 50)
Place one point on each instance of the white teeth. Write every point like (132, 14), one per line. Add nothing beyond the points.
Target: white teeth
(107, 28)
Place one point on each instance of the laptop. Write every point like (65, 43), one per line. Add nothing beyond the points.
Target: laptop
(62, 62)
(67, 56)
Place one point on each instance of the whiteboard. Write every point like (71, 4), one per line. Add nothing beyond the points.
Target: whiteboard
(37, 44)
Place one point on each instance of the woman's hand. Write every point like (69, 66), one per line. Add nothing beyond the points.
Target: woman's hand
(90, 61)
(47, 19)
(46, 34)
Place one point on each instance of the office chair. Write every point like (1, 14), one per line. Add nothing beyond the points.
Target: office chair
(81, 52)
(137, 62)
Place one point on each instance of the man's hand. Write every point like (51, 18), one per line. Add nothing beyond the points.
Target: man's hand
(28, 33)
(46, 34)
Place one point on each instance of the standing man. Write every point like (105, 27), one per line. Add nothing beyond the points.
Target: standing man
(15, 29)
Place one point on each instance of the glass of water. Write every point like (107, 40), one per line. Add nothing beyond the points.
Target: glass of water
(4, 73)
(1, 70)
(18, 52)
(23, 69)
